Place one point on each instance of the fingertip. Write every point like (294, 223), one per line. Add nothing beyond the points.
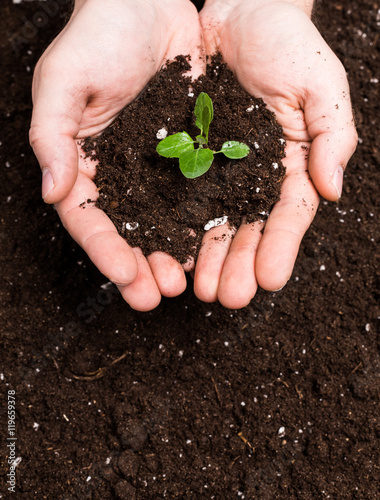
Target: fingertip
(189, 265)
(275, 259)
(274, 284)
(273, 278)
(113, 257)
(204, 292)
(168, 273)
(335, 185)
(150, 302)
(329, 155)
(143, 293)
(236, 300)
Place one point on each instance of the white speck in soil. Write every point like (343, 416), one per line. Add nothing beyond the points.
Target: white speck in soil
(219, 221)
(106, 286)
(281, 432)
(162, 133)
(131, 226)
(275, 166)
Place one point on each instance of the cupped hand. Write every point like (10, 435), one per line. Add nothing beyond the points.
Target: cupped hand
(277, 54)
(98, 64)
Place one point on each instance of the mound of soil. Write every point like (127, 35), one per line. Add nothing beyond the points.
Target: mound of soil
(146, 196)
(279, 400)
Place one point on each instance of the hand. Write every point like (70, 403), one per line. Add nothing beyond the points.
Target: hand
(278, 54)
(97, 65)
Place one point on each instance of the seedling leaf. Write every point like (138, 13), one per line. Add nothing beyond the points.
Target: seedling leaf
(204, 113)
(175, 145)
(200, 140)
(195, 163)
(235, 150)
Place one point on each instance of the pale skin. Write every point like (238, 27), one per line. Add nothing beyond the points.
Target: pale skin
(90, 72)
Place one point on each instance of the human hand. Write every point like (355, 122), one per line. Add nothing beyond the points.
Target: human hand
(278, 54)
(99, 63)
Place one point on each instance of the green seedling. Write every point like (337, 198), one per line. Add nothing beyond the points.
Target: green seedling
(195, 161)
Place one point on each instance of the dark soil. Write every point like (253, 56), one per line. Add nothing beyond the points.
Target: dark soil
(148, 193)
(190, 400)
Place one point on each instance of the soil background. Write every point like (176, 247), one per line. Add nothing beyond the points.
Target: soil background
(277, 401)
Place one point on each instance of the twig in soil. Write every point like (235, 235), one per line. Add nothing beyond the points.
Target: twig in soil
(245, 441)
(234, 461)
(299, 393)
(356, 368)
(282, 382)
(217, 391)
(178, 214)
(99, 373)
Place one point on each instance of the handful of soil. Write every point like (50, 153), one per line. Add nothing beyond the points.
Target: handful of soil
(151, 203)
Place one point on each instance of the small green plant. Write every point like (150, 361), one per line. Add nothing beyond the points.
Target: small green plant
(194, 162)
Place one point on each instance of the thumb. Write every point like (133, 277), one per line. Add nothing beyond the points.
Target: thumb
(55, 122)
(330, 122)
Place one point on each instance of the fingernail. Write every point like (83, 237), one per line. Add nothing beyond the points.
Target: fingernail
(47, 182)
(278, 289)
(337, 180)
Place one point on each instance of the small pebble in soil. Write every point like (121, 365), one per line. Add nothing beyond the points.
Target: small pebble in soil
(131, 226)
(162, 133)
(218, 221)
(281, 432)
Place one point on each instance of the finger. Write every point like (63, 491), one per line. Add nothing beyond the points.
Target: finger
(328, 115)
(187, 38)
(212, 19)
(208, 269)
(95, 233)
(189, 265)
(238, 285)
(57, 111)
(168, 273)
(287, 223)
(143, 294)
